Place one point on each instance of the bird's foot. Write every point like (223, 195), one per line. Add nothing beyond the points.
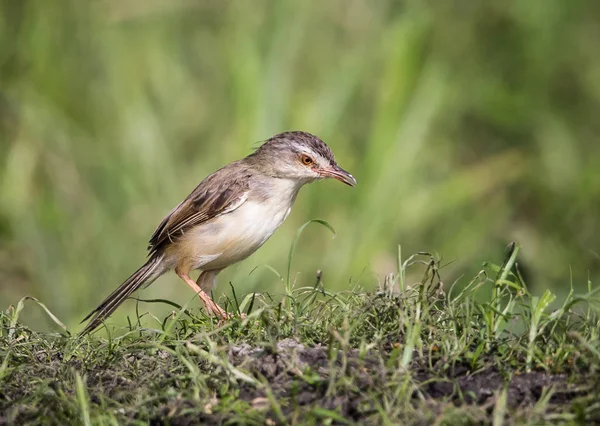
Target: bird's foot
(227, 316)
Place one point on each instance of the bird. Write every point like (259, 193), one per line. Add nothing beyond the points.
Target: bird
(229, 216)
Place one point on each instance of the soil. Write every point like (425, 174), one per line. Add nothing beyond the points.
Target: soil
(300, 376)
(460, 385)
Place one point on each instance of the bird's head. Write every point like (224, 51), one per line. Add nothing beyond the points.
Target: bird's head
(300, 156)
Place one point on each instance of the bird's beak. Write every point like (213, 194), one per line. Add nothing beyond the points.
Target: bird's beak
(340, 174)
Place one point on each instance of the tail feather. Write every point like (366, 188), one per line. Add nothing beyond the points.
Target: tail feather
(145, 275)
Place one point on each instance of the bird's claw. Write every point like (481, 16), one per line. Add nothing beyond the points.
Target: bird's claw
(227, 316)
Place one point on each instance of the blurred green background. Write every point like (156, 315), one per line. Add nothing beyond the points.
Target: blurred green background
(467, 124)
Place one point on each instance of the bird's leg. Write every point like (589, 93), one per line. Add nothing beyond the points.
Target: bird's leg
(208, 302)
(207, 280)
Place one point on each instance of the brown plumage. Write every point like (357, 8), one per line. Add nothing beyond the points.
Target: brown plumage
(213, 196)
(228, 216)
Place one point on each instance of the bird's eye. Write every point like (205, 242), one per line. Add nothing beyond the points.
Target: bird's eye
(306, 160)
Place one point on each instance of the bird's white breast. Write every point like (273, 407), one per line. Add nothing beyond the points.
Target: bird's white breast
(233, 236)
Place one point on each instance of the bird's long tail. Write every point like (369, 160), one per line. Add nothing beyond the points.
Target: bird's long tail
(145, 275)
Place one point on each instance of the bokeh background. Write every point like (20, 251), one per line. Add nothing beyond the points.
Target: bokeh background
(467, 124)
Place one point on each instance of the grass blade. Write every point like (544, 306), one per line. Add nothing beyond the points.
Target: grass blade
(295, 242)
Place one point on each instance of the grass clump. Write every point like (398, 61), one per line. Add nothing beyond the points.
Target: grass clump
(411, 353)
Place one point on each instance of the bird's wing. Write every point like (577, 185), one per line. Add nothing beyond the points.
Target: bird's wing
(218, 194)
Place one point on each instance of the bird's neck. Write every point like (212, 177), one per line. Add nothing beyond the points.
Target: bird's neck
(275, 191)
(286, 189)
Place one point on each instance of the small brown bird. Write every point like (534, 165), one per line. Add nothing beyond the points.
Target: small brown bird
(229, 216)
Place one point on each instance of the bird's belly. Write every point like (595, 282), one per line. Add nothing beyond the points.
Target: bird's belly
(234, 236)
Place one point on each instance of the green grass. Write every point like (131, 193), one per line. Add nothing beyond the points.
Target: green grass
(413, 353)
(466, 126)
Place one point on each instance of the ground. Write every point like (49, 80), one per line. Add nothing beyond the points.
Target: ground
(407, 354)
